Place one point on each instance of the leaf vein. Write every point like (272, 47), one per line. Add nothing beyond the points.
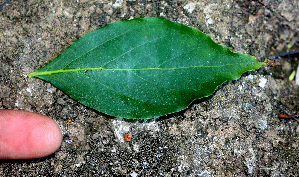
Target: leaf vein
(98, 47)
(77, 89)
(39, 73)
(152, 82)
(96, 81)
(134, 48)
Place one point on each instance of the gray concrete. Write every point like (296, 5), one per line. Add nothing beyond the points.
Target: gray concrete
(234, 132)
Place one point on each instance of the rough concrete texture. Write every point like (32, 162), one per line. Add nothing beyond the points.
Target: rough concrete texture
(234, 132)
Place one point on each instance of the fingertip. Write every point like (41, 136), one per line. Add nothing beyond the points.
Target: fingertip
(52, 139)
(25, 135)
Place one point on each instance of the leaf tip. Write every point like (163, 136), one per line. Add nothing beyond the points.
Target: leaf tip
(31, 75)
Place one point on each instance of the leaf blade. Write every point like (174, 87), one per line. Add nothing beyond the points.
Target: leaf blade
(144, 68)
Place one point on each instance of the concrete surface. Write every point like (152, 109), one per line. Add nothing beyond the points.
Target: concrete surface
(234, 132)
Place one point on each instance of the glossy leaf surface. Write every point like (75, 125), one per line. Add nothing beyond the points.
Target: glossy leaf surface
(143, 68)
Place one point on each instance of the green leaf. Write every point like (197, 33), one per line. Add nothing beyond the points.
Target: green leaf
(144, 68)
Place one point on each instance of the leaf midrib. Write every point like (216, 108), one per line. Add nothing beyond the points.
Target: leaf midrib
(40, 73)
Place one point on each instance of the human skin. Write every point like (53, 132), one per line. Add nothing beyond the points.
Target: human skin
(25, 135)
